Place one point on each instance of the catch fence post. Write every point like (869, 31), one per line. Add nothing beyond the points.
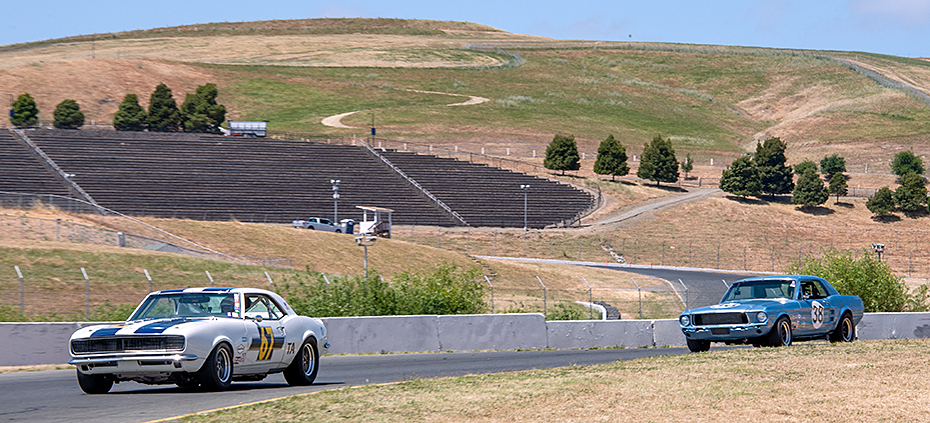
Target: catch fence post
(686, 292)
(209, 277)
(147, 277)
(640, 292)
(590, 299)
(270, 282)
(86, 294)
(492, 292)
(545, 310)
(22, 290)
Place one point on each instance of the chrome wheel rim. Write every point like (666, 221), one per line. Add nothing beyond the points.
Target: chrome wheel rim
(847, 330)
(223, 365)
(785, 332)
(307, 361)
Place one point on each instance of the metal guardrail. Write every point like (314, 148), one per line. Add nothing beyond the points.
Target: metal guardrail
(416, 184)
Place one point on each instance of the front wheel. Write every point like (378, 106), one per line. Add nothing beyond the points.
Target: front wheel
(780, 335)
(845, 331)
(302, 371)
(698, 346)
(94, 384)
(216, 373)
(338, 231)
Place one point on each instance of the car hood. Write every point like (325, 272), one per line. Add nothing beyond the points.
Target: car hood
(744, 306)
(174, 325)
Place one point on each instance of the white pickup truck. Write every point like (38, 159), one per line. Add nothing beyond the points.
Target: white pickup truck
(318, 224)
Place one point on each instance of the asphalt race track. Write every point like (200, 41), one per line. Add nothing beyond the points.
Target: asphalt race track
(704, 287)
(54, 396)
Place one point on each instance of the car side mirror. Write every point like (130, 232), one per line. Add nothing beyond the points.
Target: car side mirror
(805, 297)
(258, 319)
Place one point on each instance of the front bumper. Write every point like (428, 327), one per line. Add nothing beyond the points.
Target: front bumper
(724, 333)
(147, 363)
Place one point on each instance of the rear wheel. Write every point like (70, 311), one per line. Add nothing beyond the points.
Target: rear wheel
(94, 384)
(338, 231)
(216, 373)
(845, 330)
(698, 346)
(306, 364)
(780, 335)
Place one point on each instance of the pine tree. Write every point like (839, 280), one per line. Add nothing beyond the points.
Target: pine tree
(200, 113)
(130, 116)
(809, 191)
(777, 177)
(741, 178)
(611, 158)
(838, 185)
(882, 202)
(25, 112)
(907, 162)
(911, 196)
(688, 165)
(658, 163)
(800, 168)
(562, 154)
(68, 115)
(163, 111)
(832, 164)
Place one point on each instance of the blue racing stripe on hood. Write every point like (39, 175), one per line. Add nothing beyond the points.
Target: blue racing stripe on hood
(159, 327)
(108, 331)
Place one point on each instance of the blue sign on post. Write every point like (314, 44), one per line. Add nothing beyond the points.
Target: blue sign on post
(11, 113)
(372, 131)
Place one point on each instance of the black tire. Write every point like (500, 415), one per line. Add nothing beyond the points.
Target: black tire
(94, 384)
(216, 373)
(845, 330)
(302, 371)
(338, 231)
(780, 335)
(698, 345)
(310, 228)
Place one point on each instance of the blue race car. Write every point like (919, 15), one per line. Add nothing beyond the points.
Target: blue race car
(774, 311)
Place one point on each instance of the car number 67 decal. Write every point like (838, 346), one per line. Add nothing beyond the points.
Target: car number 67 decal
(817, 314)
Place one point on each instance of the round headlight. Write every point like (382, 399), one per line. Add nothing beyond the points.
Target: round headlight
(761, 317)
(684, 320)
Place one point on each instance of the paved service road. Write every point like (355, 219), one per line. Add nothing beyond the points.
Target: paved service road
(54, 396)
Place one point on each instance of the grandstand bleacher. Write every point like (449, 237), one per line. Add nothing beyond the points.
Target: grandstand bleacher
(207, 177)
(21, 170)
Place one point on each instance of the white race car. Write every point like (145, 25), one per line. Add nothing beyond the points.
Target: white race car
(200, 336)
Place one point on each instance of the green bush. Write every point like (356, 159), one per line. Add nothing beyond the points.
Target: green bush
(569, 311)
(445, 291)
(866, 277)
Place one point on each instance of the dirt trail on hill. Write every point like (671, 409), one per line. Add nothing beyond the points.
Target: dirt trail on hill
(335, 121)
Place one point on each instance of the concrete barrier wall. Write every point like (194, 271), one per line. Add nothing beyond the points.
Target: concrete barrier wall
(47, 343)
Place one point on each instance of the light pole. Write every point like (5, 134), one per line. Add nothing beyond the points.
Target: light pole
(68, 177)
(525, 188)
(335, 183)
(879, 249)
(361, 240)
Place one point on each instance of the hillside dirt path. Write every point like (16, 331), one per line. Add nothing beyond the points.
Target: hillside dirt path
(656, 204)
(335, 121)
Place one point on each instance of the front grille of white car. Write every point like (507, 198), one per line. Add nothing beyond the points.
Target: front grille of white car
(119, 344)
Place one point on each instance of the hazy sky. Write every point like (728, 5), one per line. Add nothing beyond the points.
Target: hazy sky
(898, 27)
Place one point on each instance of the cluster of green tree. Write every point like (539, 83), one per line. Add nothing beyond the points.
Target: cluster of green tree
(766, 172)
(198, 113)
(866, 277)
(658, 163)
(911, 196)
(67, 114)
(448, 290)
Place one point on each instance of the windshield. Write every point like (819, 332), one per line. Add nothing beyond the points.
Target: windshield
(196, 304)
(753, 290)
